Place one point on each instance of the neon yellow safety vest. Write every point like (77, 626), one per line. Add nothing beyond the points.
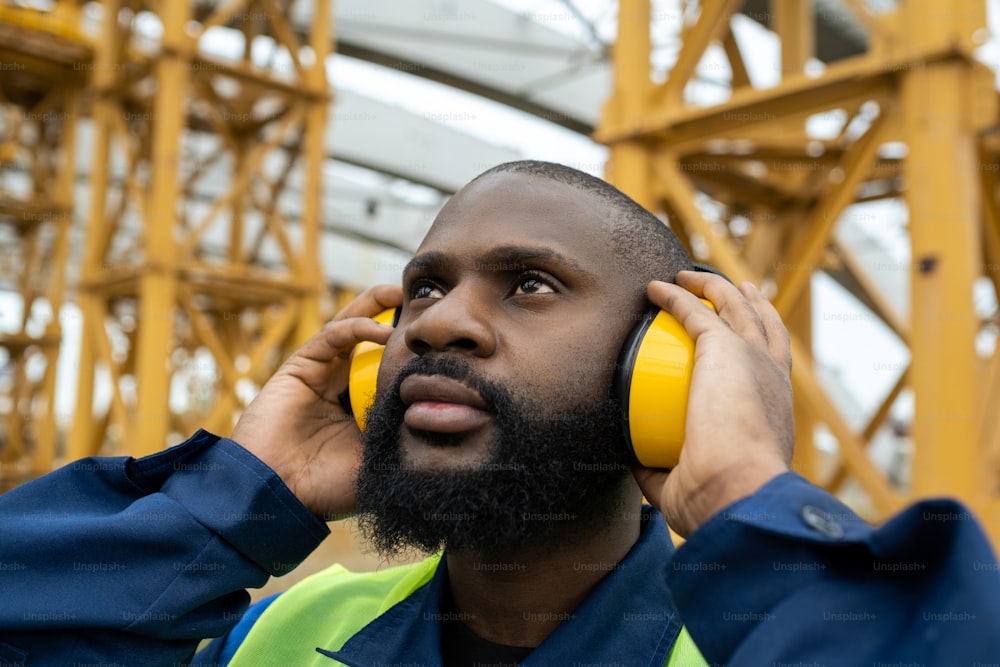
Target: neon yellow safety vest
(330, 607)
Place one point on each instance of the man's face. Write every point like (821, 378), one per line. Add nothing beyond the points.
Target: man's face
(494, 389)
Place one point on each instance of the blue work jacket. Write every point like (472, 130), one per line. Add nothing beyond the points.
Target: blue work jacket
(122, 561)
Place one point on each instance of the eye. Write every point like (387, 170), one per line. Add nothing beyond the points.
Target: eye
(426, 290)
(531, 284)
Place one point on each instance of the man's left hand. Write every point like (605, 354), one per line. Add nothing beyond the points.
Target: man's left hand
(740, 428)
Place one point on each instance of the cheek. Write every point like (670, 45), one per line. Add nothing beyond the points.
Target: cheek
(592, 369)
(579, 369)
(394, 357)
(596, 356)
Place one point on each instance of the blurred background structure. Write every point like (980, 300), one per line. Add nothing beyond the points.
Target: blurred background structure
(189, 189)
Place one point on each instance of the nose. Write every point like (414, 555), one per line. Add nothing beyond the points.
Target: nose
(456, 322)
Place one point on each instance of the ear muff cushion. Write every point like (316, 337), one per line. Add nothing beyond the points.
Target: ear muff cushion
(364, 370)
(652, 384)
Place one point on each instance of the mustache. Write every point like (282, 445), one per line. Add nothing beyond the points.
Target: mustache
(454, 368)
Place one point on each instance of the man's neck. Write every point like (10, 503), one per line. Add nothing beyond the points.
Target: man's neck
(518, 599)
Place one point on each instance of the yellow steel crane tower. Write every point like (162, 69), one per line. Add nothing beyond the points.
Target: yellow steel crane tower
(40, 85)
(917, 85)
(201, 260)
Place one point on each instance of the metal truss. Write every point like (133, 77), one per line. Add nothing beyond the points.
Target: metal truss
(918, 84)
(40, 85)
(201, 263)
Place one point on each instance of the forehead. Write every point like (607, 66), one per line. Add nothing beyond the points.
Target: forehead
(510, 208)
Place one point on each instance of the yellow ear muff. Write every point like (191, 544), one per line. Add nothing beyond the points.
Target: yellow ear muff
(364, 370)
(652, 384)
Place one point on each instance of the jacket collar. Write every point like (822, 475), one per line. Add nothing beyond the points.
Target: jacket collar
(628, 619)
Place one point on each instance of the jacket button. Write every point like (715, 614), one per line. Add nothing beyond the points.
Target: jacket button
(822, 522)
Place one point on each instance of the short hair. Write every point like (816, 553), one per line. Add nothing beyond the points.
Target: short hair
(643, 244)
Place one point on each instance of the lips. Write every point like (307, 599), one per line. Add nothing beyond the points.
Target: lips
(440, 404)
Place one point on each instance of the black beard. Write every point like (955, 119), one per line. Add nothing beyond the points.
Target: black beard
(549, 475)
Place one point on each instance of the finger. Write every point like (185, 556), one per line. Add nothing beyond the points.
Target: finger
(648, 478)
(372, 302)
(778, 339)
(338, 338)
(685, 307)
(731, 304)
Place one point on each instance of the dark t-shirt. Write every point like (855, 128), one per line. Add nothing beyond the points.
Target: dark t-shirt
(461, 647)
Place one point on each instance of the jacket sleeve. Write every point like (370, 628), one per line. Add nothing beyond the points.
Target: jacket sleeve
(119, 561)
(792, 576)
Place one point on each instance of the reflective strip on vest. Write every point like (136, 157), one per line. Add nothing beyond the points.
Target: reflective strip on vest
(306, 616)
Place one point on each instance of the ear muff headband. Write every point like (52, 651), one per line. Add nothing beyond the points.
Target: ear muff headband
(705, 268)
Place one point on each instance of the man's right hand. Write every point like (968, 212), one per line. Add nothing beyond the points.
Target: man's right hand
(296, 424)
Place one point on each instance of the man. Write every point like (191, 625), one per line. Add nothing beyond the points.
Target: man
(495, 437)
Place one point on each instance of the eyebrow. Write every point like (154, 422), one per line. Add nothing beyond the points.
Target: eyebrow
(500, 258)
